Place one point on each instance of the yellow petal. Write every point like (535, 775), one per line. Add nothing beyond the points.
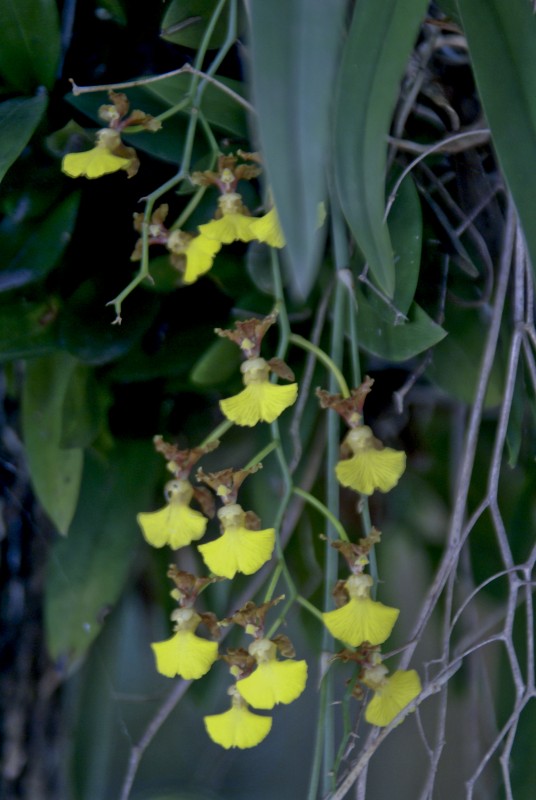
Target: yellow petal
(361, 620)
(399, 690)
(176, 525)
(92, 163)
(274, 682)
(372, 469)
(230, 228)
(267, 229)
(238, 727)
(238, 550)
(259, 402)
(185, 654)
(200, 255)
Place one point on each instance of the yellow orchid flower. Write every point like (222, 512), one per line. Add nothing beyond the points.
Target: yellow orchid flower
(391, 694)
(199, 253)
(238, 549)
(272, 681)
(261, 400)
(361, 619)
(98, 161)
(185, 654)
(238, 727)
(372, 466)
(235, 225)
(267, 229)
(176, 525)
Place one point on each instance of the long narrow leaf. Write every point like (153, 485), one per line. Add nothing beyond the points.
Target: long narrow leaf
(88, 569)
(375, 55)
(29, 43)
(18, 120)
(502, 43)
(56, 471)
(294, 54)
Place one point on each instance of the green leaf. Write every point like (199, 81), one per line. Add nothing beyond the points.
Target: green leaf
(85, 326)
(218, 364)
(167, 143)
(294, 55)
(501, 35)
(42, 248)
(375, 55)
(29, 43)
(87, 571)
(218, 107)
(144, 364)
(186, 21)
(450, 9)
(387, 336)
(84, 408)
(456, 362)
(55, 471)
(18, 120)
(26, 326)
(405, 227)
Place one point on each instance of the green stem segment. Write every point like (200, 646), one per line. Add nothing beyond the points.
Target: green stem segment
(195, 94)
(328, 362)
(333, 520)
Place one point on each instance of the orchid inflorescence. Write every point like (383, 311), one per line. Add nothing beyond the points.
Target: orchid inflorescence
(264, 671)
(361, 623)
(192, 253)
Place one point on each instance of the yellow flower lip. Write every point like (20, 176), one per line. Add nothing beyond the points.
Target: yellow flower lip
(238, 550)
(268, 229)
(176, 525)
(185, 654)
(361, 619)
(93, 163)
(391, 696)
(273, 681)
(237, 727)
(372, 466)
(260, 401)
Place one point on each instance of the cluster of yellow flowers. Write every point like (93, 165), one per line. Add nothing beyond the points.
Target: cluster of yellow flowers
(358, 620)
(110, 154)
(261, 679)
(191, 253)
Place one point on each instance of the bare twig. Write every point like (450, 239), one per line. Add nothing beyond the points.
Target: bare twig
(477, 136)
(186, 69)
(374, 741)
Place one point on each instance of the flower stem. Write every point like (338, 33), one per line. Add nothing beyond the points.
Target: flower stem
(217, 433)
(313, 501)
(299, 341)
(262, 454)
